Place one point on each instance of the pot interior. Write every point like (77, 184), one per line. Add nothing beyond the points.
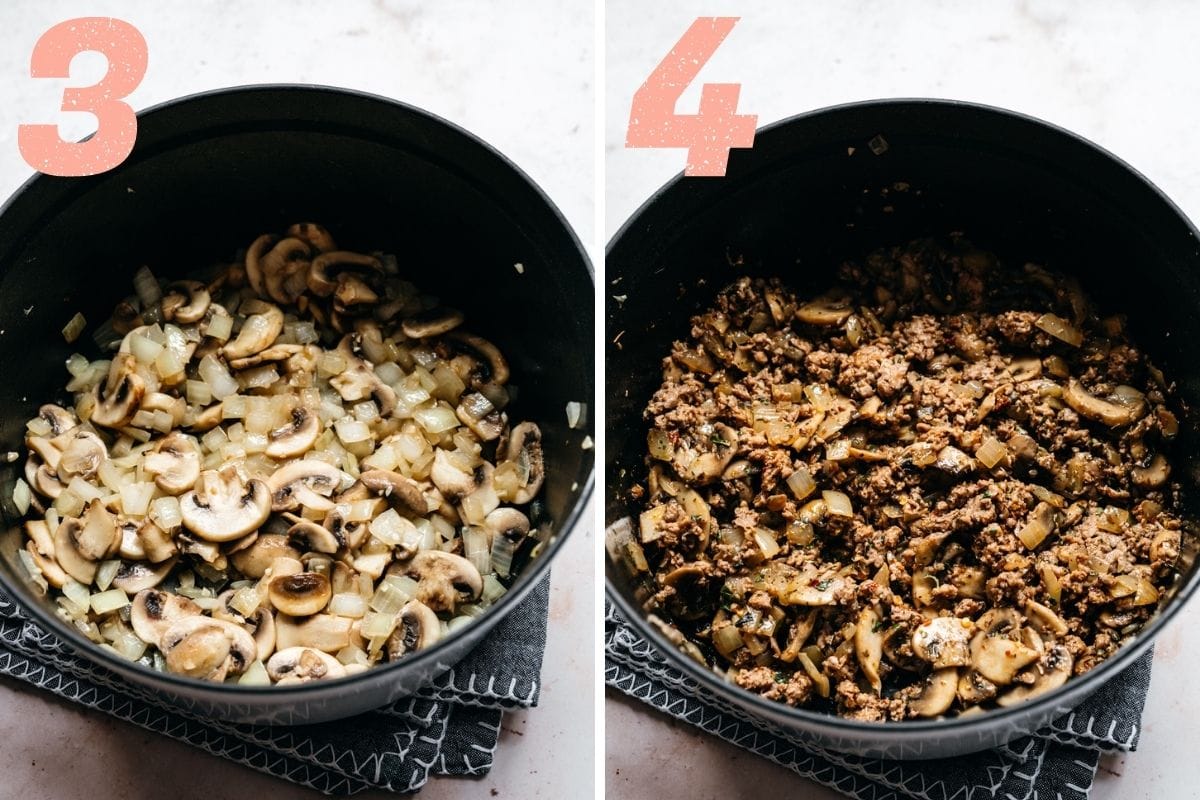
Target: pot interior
(212, 172)
(837, 184)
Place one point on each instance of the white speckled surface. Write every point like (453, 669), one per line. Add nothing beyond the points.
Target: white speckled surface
(517, 74)
(1120, 73)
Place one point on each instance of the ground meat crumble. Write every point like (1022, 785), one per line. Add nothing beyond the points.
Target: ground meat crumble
(943, 484)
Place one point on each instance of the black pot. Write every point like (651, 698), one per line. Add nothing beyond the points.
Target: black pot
(811, 194)
(212, 171)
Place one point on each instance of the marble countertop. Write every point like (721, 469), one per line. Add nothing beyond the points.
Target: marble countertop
(450, 59)
(1118, 73)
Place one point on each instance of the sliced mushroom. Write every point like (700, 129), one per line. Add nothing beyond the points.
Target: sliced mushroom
(299, 595)
(317, 236)
(1044, 618)
(325, 269)
(223, 506)
(174, 463)
(255, 560)
(1052, 672)
(254, 254)
(937, 693)
(307, 536)
(448, 478)
(1152, 475)
(59, 418)
(974, 689)
(308, 482)
(791, 587)
(1112, 414)
(496, 367)
(51, 571)
(943, 642)
(260, 624)
(507, 522)
(95, 533)
(303, 664)
(352, 291)
(323, 632)
(868, 646)
(996, 652)
(285, 269)
(259, 331)
(433, 322)
(82, 455)
(43, 480)
(359, 381)
(208, 419)
(708, 466)
(120, 396)
(153, 611)
(133, 577)
(295, 438)
(417, 629)
(186, 302)
(443, 579)
(206, 648)
(404, 493)
(157, 544)
(525, 450)
(833, 308)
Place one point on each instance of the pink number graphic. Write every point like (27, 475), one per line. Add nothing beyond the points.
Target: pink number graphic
(124, 47)
(715, 128)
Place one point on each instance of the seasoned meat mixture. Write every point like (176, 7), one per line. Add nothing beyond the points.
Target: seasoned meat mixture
(943, 485)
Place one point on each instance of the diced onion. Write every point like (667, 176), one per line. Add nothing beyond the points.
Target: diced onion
(22, 496)
(576, 414)
(493, 589)
(220, 327)
(1051, 583)
(838, 450)
(77, 364)
(109, 601)
(1059, 328)
(1033, 532)
(69, 504)
(348, 605)
(991, 452)
(837, 504)
(74, 327)
(801, 482)
(765, 540)
(728, 640)
(165, 513)
(135, 498)
(476, 549)
(819, 396)
(379, 625)
(436, 419)
(106, 572)
(78, 595)
(351, 430)
(219, 381)
(255, 675)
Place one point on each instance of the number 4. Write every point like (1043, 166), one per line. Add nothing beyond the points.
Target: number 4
(709, 134)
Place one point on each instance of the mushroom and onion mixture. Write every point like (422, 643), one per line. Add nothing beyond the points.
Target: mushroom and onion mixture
(940, 487)
(295, 471)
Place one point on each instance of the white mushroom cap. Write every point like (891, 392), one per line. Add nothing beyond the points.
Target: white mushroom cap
(295, 438)
(153, 611)
(944, 642)
(120, 396)
(206, 648)
(443, 579)
(259, 331)
(300, 595)
(256, 559)
(417, 629)
(525, 449)
(224, 507)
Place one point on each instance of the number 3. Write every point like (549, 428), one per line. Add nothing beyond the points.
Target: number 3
(124, 47)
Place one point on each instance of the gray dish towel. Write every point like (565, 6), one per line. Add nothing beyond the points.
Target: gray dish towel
(449, 728)
(1057, 763)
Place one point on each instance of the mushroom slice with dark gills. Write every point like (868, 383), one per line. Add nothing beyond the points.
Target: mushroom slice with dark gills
(82, 454)
(477, 413)
(303, 664)
(997, 650)
(1053, 670)
(308, 482)
(295, 438)
(417, 629)
(186, 302)
(206, 648)
(174, 463)
(154, 610)
(255, 560)
(299, 595)
(433, 322)
(323, 632)
(443, 579)
(479, 361)
(317, 236)
(259, 331)
(324, 271)
(120, 396)
(525, 450)
(359, 381)
(224, 506)
(133, 577)
(308, 536)
(403, 493)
